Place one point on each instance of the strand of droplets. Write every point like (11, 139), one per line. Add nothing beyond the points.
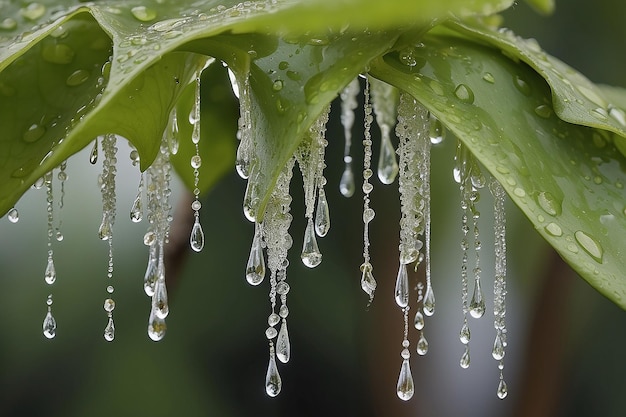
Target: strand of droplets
(416, 131)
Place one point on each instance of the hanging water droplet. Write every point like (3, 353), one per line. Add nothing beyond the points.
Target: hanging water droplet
(93, 156)
(419, 320)
(405, 388)
(283, 347)
(104, 231)
(402, 287)
(387, 163)
(151, 274)
(159, 299)
(49, 325)
(368, 283)
(436, 130)
(346, 184)
(322, 215)
(13, 215)
(50, 275)
(311, 255)
(109, 330)
(172, 133)
(136, 211)
(465, 358)
(464, 334)
(429, 300)
(422, 345)
(477, 305)
(498, 347)
(502, 389)
(273, 383)
(255, 269)
(196, 239)
(156, 326)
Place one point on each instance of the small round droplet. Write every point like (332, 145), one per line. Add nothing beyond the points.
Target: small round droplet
(149, 238)
(196, 205)
(589, 244)
(13, 215)
(143, 13)
(277, 85)
(34, 133)
(368, 215)
(271, 332)
(554, 229)
(196, 161)
(109, 305)
(488, 77)
(110, 289)
(544, 111)
(33, 11)
(521, 85)
(464, 93)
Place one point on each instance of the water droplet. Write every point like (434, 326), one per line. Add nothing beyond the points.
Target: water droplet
(273, 383)
(172, 132)
(283, 347)
(405, 388)
(57, 53)
(159, 299)
(387, 164)
(33, 12)
(464, 93)
(156, 327)
(93, 156)
(422, 345)
(590, 245)
(549, 203)
(196, 239)
(519, 192)
(34, 133)
(322, 215)
(49, 325)
(465, 358)
(402, 287)
(419, 320)
(600, 113)
(502, 389)
(311, 255)
(105, 231)
(368, 283)
(13, 215)
(50, 275)
(521, 85)
(477, 305)
(346, 184)
(498, 348)
(255, 269)
(277, 85)
(8, 24)
(77, 78)
(143, 13)
(543, 111)
(554, 229)
(136, 211)
(109, 330)
(429, 300)
(465, 334)
(436, 130)
(489, 78)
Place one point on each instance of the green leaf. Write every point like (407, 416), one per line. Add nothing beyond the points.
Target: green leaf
(545, 7)
(568, 179)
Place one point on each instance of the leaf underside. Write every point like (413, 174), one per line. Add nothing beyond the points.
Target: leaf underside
(70, 73)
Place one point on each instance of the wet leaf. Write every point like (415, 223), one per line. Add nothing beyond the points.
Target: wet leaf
(568, 179)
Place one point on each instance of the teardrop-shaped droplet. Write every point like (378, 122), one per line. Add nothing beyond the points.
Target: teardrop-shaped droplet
(50, 275)
(368, 283)
(156, 326)
(255, 269)
(136, 211)
(436, 131)
(283, 347)
(346, 184)
(502, 390)
(477, 305)
(93, 156)
(151, 274)
(429, 300)
(109, 330)
(104, 231)
(422, 345)
(464, 334)
(159, 299)
(402, 287)
(172, 133)
(465, 358)
(273, 383)
(387, 163)
(196, 239)
(311, 255)
(419, 320)
(49, 325)
(322, 215)
(405, 388)
(13, 215)
(498, 348)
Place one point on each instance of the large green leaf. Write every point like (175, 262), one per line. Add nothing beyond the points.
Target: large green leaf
(568, 179)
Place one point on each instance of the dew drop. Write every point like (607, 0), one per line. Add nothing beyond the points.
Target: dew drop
(171, 132)
(590, 245)
(521, 85)
(8, 24)
(57, 53)
(34, 133)
(429, 300)
(93, 156)
(465, 358)
(49, 325)
(419, 320)
(600, 113)
(422, 345)
(50, 275)
(368, 283)
(502, 390)
(464, 93)
(405, 388)
(156, 327)
(255, 269)
(283, 347)
(273, 383)
(402, 287)
(488, 77)
(544, 111)
(387, 164)
(13, 215)
(196, 239)
(618, 115)
(159, 299)
(311, 255)
(33, 12)
(77, 78)
(346, 184)
(498, 348)
(143, 13)
(109, 330)
(436, 130)
(554, 229)
(277, 85)
(136, 211)
(322, 215)
(477, 304)
(465, 334)
(549, 203)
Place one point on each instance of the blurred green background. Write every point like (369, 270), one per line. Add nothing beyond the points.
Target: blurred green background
(565, 340)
